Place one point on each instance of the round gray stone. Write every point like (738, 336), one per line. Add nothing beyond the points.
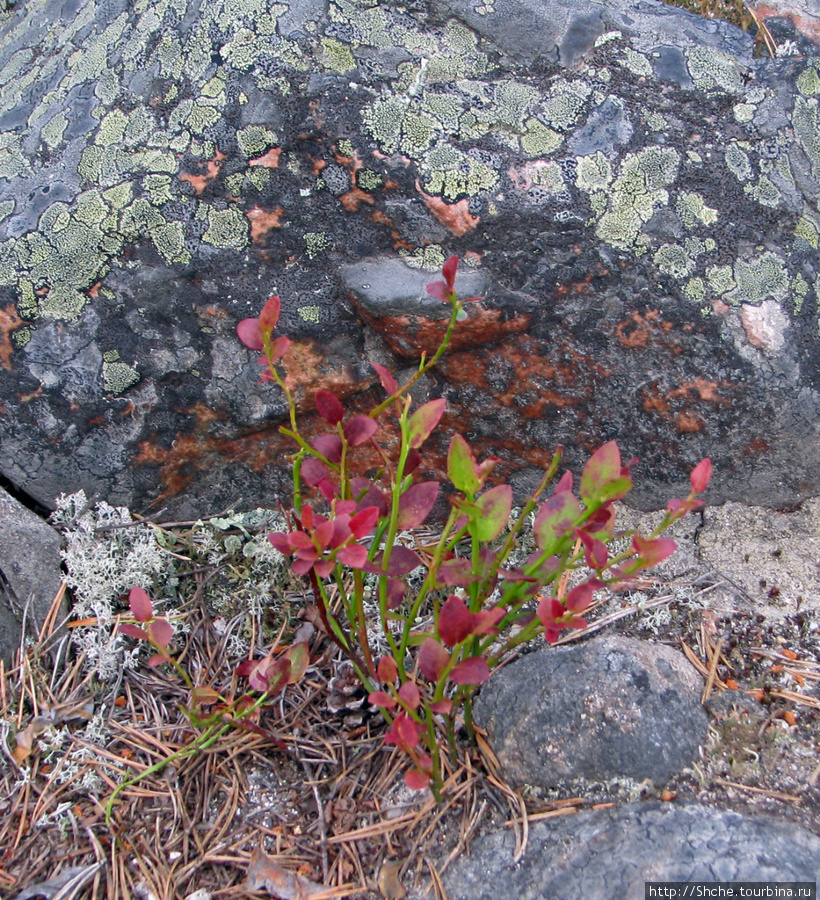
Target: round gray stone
(614, 707)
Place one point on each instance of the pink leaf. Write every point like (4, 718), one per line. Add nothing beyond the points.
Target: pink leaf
(402, 562)
(250, 334)
(433, 659)
(329, 407)
(365, 493)
(700, 475)
(487, 619)
(329, 445)
(359, 429)
(380, 698)
(564, 483)
(470, 671)
(580, 597)
(449, 270)
(134, 631)
(421, 424)
(353, 555)
(363, 522)
(410, 695)
(455, 621)
(416, 780)
(454, 572)
(416, 502)
(389, 383)
(160, 632)
(438, 289)
(156, 659)
(278, 348)
(327, 489)
(269, 317)
(396, 589)
(595, 552)
(442, 707)
(323, 568)
(140, 603)
(313, 471)
(387, 670)
(650, 552)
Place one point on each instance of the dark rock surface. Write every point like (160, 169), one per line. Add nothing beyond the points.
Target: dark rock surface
(30, 574)
(613, 707)
(611, 853)
(638, 192)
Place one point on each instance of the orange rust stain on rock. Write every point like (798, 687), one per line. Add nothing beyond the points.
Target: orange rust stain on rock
(269, 160)
(9, 321)
(689, 423)
(200, 182)
(408, 336)
(453, 216)
(263, 221)
(308, 369)
(639, 330)
(353, 199)
(674, 406)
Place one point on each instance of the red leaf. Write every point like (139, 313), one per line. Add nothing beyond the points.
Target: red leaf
(416, 780)
(455, 621)
(470, 671)
(396, 589)
(329, 407)
(449, 270)
(487, 619)
(269, 317)
(270, 675)
(156, 659)
(650, 553)
(389, 383)
(323, 568)
(160, 632)
(327, 489)
(353, 555)
(595, 552)
(359, 429)
(580, 597)
(140, 603)
(380, 698)
(433, 659)
(410, 695)
(454, 572)
(314, 471)
(416, 502)
(438, 289)
(564, 483)
(387, 670)
(278, 348)
(362, 523)
(700, 475)
(329, 445)
(442, 707)
(421, 424)
(365, 493)
(413, 462)
(494, 511)
(250, 334)
(402, 562)
(134, 631)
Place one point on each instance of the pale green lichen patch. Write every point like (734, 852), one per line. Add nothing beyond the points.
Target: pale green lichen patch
(808, 81)
(6, 209)
(638, 190)
(806, 121)
(636, 63)
(673, 260)
(593, 172)
(693, 210)
(52, 132)
(744, 112)
(808, 228)
(763, 192)
(255, 140)
(316, 243)
(759, 279)
(227, 228)
(712, 69)
(118, 376)
(565, 103)
(737, 162)
(309, 313)
(430, 258)
(800, 288)
(451, 173)
(336, 56)
(539, 140)
(63, 302)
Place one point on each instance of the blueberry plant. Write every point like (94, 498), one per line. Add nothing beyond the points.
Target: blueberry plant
(344, 531)
(476, 599)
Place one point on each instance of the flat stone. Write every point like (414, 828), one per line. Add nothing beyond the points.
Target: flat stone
(612, 853)
(30, 573)
(613, 707)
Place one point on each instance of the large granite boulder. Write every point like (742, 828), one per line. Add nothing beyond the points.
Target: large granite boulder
(635, 190)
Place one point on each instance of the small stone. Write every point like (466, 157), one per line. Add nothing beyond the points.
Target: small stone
(615, 707)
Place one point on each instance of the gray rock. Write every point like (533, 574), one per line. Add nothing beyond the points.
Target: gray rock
(639, 191)
(612, 853)
(614, 707)
(30, 574)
